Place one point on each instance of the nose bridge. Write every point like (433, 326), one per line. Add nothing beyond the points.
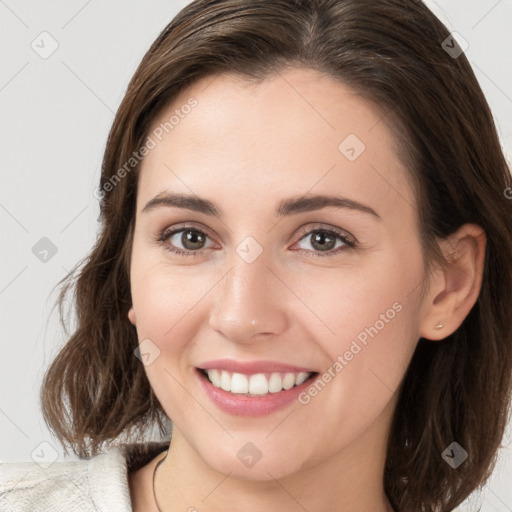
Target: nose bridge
(248, 300)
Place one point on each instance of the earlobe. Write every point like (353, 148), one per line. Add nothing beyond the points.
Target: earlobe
(456, 286)
(131, 315)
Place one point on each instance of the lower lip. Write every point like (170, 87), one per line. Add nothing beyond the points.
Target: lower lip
(242, 405)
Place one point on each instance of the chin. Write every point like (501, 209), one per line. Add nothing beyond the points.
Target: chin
(251, 464)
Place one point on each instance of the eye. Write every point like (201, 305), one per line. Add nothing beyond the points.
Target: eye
(190, 238)
(326, 242)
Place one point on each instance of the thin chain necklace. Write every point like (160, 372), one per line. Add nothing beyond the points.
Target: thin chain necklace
(154, 476)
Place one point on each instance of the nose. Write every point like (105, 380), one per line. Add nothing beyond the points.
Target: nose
(250, 302)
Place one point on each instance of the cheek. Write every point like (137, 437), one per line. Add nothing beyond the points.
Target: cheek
(367, 320)
(165, 302)
(162, 293)
(168, 301)
(348, 301)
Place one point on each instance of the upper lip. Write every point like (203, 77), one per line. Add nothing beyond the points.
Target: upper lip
(252, 367)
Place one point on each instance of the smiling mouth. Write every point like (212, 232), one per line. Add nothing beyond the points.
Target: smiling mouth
(257, 384)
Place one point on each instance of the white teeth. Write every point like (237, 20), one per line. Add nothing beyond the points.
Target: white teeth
(239, 383)
(214, 376)
(256, 384)
(275, 383)
(301, 377)
(225, 381)
(289, 381)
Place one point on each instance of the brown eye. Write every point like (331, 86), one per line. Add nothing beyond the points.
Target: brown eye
(187, 241)
(192, 239)
(326, 242)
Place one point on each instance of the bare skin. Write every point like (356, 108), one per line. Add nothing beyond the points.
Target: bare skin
(246, 147)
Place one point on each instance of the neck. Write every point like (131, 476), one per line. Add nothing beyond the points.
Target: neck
(351, 479)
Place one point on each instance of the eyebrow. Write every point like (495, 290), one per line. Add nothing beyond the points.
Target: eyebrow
(286, 207)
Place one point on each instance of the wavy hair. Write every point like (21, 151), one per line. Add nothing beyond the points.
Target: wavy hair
(393, 53)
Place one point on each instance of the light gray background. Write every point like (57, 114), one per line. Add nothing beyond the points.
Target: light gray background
(55, 117)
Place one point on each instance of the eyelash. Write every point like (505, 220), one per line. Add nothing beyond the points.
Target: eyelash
(165, 234)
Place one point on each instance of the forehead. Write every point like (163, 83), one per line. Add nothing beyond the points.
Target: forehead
(295, 132)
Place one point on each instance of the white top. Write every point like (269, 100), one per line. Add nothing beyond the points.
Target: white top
(98, 484)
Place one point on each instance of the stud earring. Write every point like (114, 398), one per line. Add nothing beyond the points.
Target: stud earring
(439, 325)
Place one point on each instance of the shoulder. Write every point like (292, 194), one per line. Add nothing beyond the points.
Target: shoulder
(98, 483)
(25, 485)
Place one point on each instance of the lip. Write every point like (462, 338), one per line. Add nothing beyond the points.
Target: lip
(242, 405)
(251, 367)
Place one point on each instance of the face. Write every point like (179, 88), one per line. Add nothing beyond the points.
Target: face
(255, 273)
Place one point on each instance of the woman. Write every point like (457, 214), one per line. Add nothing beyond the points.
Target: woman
(304, 263)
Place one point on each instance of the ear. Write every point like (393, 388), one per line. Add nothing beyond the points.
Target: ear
(454, 288)
(131, 316)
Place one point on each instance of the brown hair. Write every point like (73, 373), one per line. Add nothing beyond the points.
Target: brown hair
(390, 52)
